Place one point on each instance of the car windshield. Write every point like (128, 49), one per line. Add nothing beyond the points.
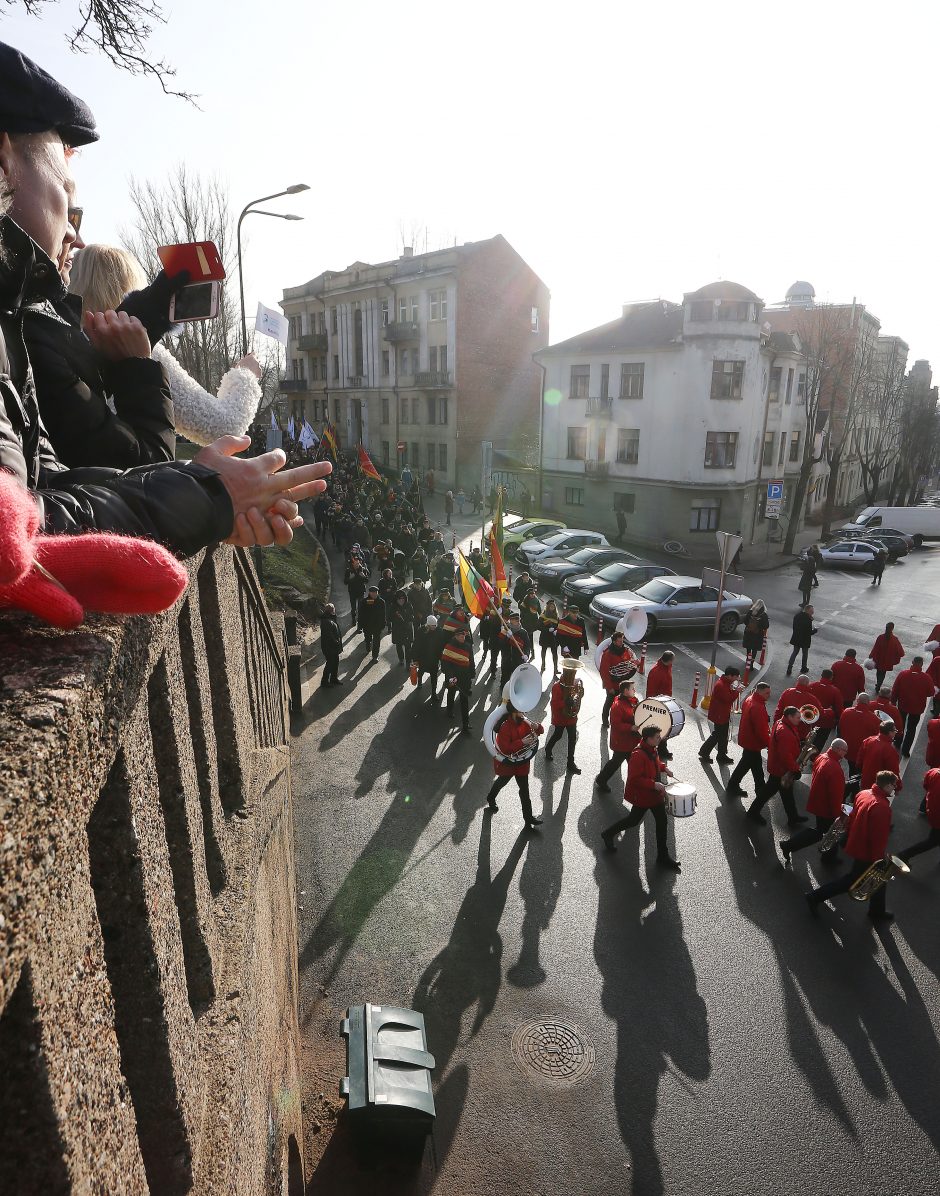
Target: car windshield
(556, 540)
(656, 591)
(614, 572)
(583, 556)
(518, 528)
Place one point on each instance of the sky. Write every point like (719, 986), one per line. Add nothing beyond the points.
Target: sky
(627, 151)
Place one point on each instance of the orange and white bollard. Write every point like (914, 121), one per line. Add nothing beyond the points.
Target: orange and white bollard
(748, 664)
(641, 667)
(694, 702)
(454, 544)
(763, 651)
(600, 630)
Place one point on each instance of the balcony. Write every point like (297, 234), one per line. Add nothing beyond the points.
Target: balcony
(293, 385)
(313, 342)
(356, 381)
(402, 330)
(434, 379)
(602, 407)
(597, 469)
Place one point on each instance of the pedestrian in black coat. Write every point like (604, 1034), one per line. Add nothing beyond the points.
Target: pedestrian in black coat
(331, 645)
(444, 573)
(427, 651)
(756, 626)
(388, 587)
(807, 577)
(356, 578)
(420, 602)
(802, 637)
(372, 620)
(403, 628)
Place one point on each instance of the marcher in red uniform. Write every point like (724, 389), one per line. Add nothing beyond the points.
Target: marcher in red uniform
(782, 766)
(826, 795)
(753, 737)
(878, 754)
(912, 690)
(933, 672)
(857, 724)
(563, 692)
(624, 736)
(510, 739)
(829, 701)
(798, 695)
(866, 841)
(849, 676)
(659, 685)
(886, 652)
(719, 715)
(882, 701)
(645, 790)
(617, 664)
(932, 809)
(933, 743)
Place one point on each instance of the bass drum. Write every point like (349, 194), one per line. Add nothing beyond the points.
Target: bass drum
(663, 713)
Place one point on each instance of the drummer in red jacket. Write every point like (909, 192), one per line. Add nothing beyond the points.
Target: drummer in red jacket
(826, 795)
(659, 685)
(911, 691)
(866, 841)
(878, 754)
(719, 715)
(849, 677)
(617, 664)
(645, 790)
(886, 652)
(857, 723)
(782, 765)
(933, 743)
(514, 736)
(624, 736)
(753, 737)
(930, 807)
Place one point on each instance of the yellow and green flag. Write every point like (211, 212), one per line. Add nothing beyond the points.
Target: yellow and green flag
(477, 592)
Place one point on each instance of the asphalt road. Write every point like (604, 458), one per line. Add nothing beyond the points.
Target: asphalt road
(726, 1041)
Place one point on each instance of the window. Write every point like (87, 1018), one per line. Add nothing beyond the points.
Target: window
(577, 444)
(385, 448)
(402, 310)
(432, 456)
(727, 379)
(415, 455)
(442, 409)
(386, 362)
(335, 367)
(625, 502)
(384, 311)
(631, 380)
(405, 411)
(333, 323)
(775, 375)
(413, 309)
(534, 319)
(442, 358)
(437, 305)
(574, 496)
(385, 412)
(605, 381)
(628, 445)
(323, 368)
(402, 361)
(720, 449)
(801, 389)
(432, 359)
(321, 322)
(580, 381)
(442, 458)
(795, 445)
(336, 411)
(701, 310)
(314, 368)
(783, 449)
(789, 386)
(415, 409)
(768, 457)
(704, 514)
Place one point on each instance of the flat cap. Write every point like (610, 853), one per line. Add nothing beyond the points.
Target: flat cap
(31, 101)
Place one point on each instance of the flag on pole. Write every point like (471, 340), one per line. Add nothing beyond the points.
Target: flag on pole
(308, 438)
(497, 568)
(477, 591)
(497, 526)
(329, 439)
(365, 464)
(272, 323)
(290, 427)
(274, 424)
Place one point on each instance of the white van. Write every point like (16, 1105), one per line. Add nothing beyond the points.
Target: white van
(920, 523)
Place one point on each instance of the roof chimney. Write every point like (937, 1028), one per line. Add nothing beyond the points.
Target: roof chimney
(408, 251)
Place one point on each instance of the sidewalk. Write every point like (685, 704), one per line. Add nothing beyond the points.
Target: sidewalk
(760, 558)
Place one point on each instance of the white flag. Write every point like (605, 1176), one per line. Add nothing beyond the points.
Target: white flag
(273, 420)
(308, 438)
(290, 428)
(271, 323)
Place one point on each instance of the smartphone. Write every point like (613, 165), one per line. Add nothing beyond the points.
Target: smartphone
(199, 301)
(200, 258)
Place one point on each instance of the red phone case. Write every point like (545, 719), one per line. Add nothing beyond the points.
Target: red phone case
(200, 258)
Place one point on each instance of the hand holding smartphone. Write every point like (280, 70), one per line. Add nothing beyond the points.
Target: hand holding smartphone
(199, 299)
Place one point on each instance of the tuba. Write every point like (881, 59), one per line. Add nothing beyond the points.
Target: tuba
(573, 686)
(876, 875)
(523, 690)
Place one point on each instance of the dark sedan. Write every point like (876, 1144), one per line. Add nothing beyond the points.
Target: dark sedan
(551, 571)
(621, 575)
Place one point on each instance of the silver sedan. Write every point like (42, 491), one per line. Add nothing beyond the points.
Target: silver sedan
(674, 603)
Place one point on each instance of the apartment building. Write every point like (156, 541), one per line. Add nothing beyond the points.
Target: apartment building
(422, 358)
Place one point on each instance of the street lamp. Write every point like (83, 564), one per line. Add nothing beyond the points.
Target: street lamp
(248, 209)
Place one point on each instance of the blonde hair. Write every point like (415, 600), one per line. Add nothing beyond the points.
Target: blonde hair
(103, 274)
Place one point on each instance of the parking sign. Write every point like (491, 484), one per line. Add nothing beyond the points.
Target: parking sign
(774, 502)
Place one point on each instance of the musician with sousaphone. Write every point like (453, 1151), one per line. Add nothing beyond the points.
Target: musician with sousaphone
(826, 802)
(567, 693)
(512, 739)
(617, 663)
(867, 831)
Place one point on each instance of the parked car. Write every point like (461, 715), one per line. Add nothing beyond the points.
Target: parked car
(530, 550)
(861, 533)
(528, 529)
(847, 554)
(674, 603)
(621, 575)
(923, 523)
(551, 571)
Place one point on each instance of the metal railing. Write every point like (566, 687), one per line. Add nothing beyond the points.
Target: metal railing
(402, 330)
(434, 378)
(598, 469)
(289, 385)
(602, 405)
(313, 342)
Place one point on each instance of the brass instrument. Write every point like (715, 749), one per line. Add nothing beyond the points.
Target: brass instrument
(624, 670)
(809, 716)
(573, 687)
(835, 832)
(876, 875)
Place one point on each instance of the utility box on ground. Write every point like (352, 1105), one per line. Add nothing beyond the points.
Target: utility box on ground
(388, 1085)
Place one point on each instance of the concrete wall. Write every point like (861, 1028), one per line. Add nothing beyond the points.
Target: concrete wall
(148, 941)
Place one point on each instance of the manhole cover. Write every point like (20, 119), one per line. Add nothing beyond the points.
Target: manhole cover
(555, 1051)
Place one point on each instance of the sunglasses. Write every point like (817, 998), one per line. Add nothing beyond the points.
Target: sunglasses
(75, 218)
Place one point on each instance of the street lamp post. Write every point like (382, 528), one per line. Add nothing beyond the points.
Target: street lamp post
(247, 210)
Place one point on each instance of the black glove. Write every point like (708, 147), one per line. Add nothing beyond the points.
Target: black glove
(152, 305)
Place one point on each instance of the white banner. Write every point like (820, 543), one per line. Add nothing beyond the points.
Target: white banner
(272, 323)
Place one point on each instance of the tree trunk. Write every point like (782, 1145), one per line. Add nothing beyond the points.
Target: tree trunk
(796, 511)
(835, 464)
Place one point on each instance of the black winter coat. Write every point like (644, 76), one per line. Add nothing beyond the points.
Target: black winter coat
(372, 616)
(803, 630)
(181, 505)
(419, 601)
(427, 648)
(754, 628)
(331, 638)
(403, 628)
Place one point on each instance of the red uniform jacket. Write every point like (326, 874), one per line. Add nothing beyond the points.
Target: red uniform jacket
(623, 734)
(886, 706)
(509, 739)
(869, 826)
(934, 636)
(754, 731)
(784, 748)
(912, 690)
(559, 718)
(719, 708)
(933, 743)
(933, 670)
(849, 678)
(932, 790)
(829, 702)
(877, 753)
(796, 696)
(659, 681)
(827, 787)
(642, 774)
(886, 652)
(611, 659)
(856, 725)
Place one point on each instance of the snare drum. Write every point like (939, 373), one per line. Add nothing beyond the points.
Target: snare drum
(681, 799)
(665, 714)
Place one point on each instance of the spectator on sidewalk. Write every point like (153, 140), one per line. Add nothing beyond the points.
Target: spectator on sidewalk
(331, 645)
(449, 505)
(621, 523)
(460, 498)
(807, 579)
(756, 626)
(802, 637)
